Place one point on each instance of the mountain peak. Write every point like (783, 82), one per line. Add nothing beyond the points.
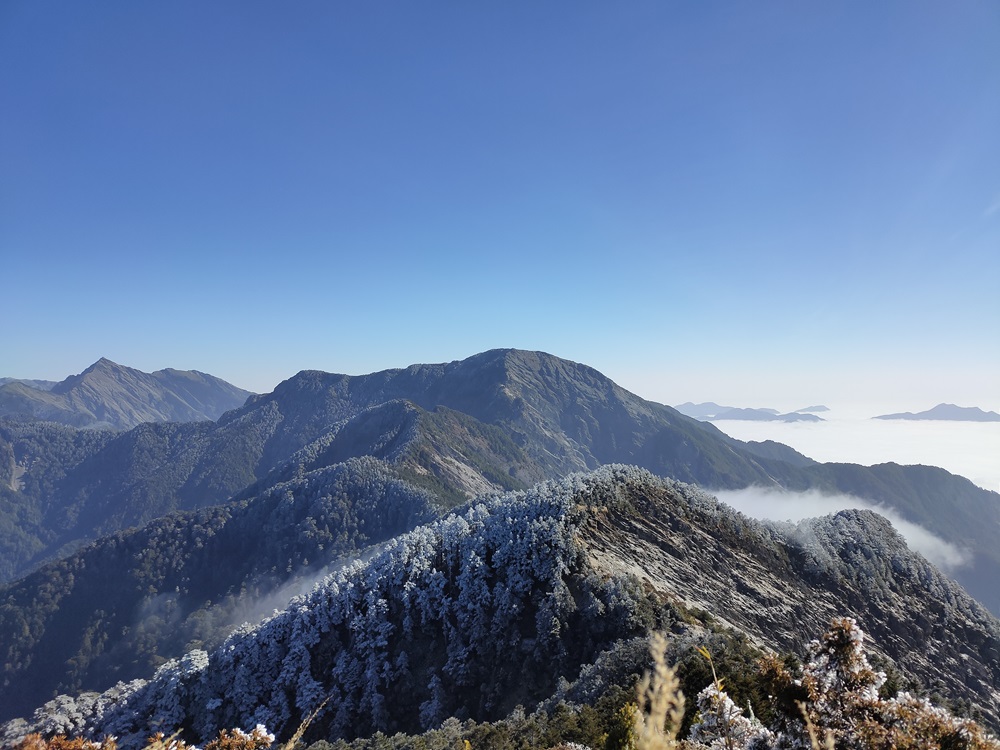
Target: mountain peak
(948, 412)
(108, 394)
(102, 365)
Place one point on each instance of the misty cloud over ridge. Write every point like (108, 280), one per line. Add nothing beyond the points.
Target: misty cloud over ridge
(766, 503)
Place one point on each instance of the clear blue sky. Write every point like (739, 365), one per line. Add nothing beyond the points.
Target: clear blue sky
(759, 203)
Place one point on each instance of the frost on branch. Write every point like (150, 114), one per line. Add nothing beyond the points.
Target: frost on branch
(722, 724)
(842, 684)
(837, 695)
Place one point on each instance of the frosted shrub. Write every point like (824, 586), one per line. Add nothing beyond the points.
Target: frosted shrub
(237, 739)
(61, 742)
(842, 686)
(722, 724)
(910, 723)
(836, 699)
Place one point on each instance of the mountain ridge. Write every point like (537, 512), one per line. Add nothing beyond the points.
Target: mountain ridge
(485, 608)
(557, 417)
(112, 396)
(500, 421)
(41, 385)
(711, 411)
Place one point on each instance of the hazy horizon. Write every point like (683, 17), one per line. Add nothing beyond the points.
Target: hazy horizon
(771, 204)
(849, 434)
(668, 388)
(969, 449)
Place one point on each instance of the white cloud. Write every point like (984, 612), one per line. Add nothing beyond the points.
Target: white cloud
(969, 449)
(781, 505)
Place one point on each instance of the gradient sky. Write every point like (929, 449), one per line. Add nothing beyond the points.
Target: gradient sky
(770, 204)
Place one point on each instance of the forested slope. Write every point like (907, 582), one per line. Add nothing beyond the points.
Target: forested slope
(499, 420)
(119, 608)
(475, 613)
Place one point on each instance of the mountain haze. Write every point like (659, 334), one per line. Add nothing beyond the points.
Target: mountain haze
(41, 385)
(765, 415)
(710, 411)
(109, 395)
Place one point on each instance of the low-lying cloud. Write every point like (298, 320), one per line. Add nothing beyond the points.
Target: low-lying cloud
(253, 610)
(783, 505)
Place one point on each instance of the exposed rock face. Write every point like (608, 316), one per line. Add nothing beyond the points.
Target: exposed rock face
(781, 584)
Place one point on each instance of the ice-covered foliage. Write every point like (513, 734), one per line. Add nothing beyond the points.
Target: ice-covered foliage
(722, 724)
(494, 605)
(256, 739)
(838, 675)
(834, 697)
(119, 608)
(450, 619)
(862, 547)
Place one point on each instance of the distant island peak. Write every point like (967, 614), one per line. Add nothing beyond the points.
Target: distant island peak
(947, 412)
(711, 411)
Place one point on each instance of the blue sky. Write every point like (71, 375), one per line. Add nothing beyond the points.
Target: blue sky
(753, 203)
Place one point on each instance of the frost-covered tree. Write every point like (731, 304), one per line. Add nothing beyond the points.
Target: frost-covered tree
(836, 696)
(453, 618)
(722, 725)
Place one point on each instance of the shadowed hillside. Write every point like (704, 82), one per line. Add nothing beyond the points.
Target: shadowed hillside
(499, 420)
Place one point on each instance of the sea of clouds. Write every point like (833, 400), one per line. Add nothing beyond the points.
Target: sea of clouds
(969, 449)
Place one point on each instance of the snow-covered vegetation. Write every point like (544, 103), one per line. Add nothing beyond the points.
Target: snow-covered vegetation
(498, 605)
(445, 621)
(832, 702)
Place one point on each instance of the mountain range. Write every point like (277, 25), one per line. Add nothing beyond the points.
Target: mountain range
(41, 385)
(500, 420)
(710, 410)
(197, 524)
(948, 412)
(109, 395)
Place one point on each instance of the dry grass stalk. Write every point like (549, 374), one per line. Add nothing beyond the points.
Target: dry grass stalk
(660, 711)
(294, 739)
(829, 744)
